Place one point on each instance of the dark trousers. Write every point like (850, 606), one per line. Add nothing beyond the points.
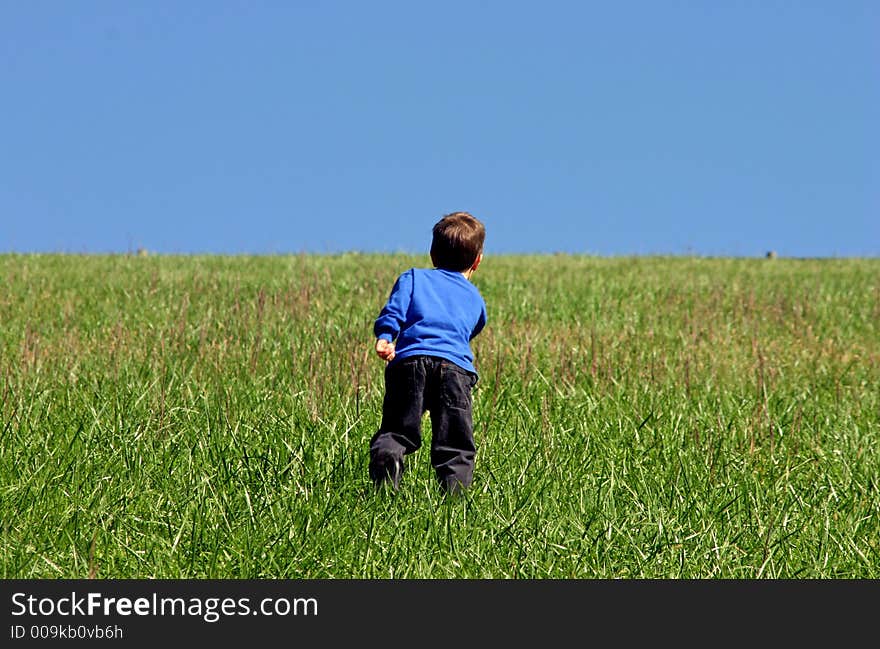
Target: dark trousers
(415, 385)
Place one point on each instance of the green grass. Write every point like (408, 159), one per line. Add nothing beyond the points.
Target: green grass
(193, 417)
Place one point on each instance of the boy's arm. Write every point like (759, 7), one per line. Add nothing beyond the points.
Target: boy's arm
(393, 315)
(481, 322)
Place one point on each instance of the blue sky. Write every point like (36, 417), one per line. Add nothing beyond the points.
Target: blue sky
(608, 128)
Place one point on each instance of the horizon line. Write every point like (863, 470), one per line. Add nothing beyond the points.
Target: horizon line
(144, 252)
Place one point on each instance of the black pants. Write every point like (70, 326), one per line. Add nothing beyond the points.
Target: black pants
(415, 385)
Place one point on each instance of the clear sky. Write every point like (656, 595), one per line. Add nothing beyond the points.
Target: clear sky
(714, 127)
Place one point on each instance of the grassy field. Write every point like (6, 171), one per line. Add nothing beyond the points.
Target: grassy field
(192, 417)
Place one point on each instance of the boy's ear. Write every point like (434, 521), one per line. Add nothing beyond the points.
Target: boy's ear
(477, 261)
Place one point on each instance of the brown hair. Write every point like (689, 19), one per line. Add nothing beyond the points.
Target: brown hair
(458, 241)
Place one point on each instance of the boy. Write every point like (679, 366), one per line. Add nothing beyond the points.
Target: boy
(424, 333)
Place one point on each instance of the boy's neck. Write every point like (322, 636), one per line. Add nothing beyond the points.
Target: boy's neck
(467, 273)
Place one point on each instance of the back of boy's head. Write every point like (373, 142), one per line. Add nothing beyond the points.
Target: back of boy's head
(457, 242)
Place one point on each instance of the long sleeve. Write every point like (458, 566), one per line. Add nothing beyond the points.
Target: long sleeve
(480, 323)
(393, 314)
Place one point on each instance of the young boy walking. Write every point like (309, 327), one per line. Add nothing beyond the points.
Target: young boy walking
(423, 332)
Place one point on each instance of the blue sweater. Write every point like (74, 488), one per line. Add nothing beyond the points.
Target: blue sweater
(433, 312)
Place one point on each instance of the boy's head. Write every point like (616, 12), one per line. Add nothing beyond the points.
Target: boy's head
(458, 242)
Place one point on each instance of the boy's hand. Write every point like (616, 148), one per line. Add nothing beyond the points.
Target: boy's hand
(385, 349)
